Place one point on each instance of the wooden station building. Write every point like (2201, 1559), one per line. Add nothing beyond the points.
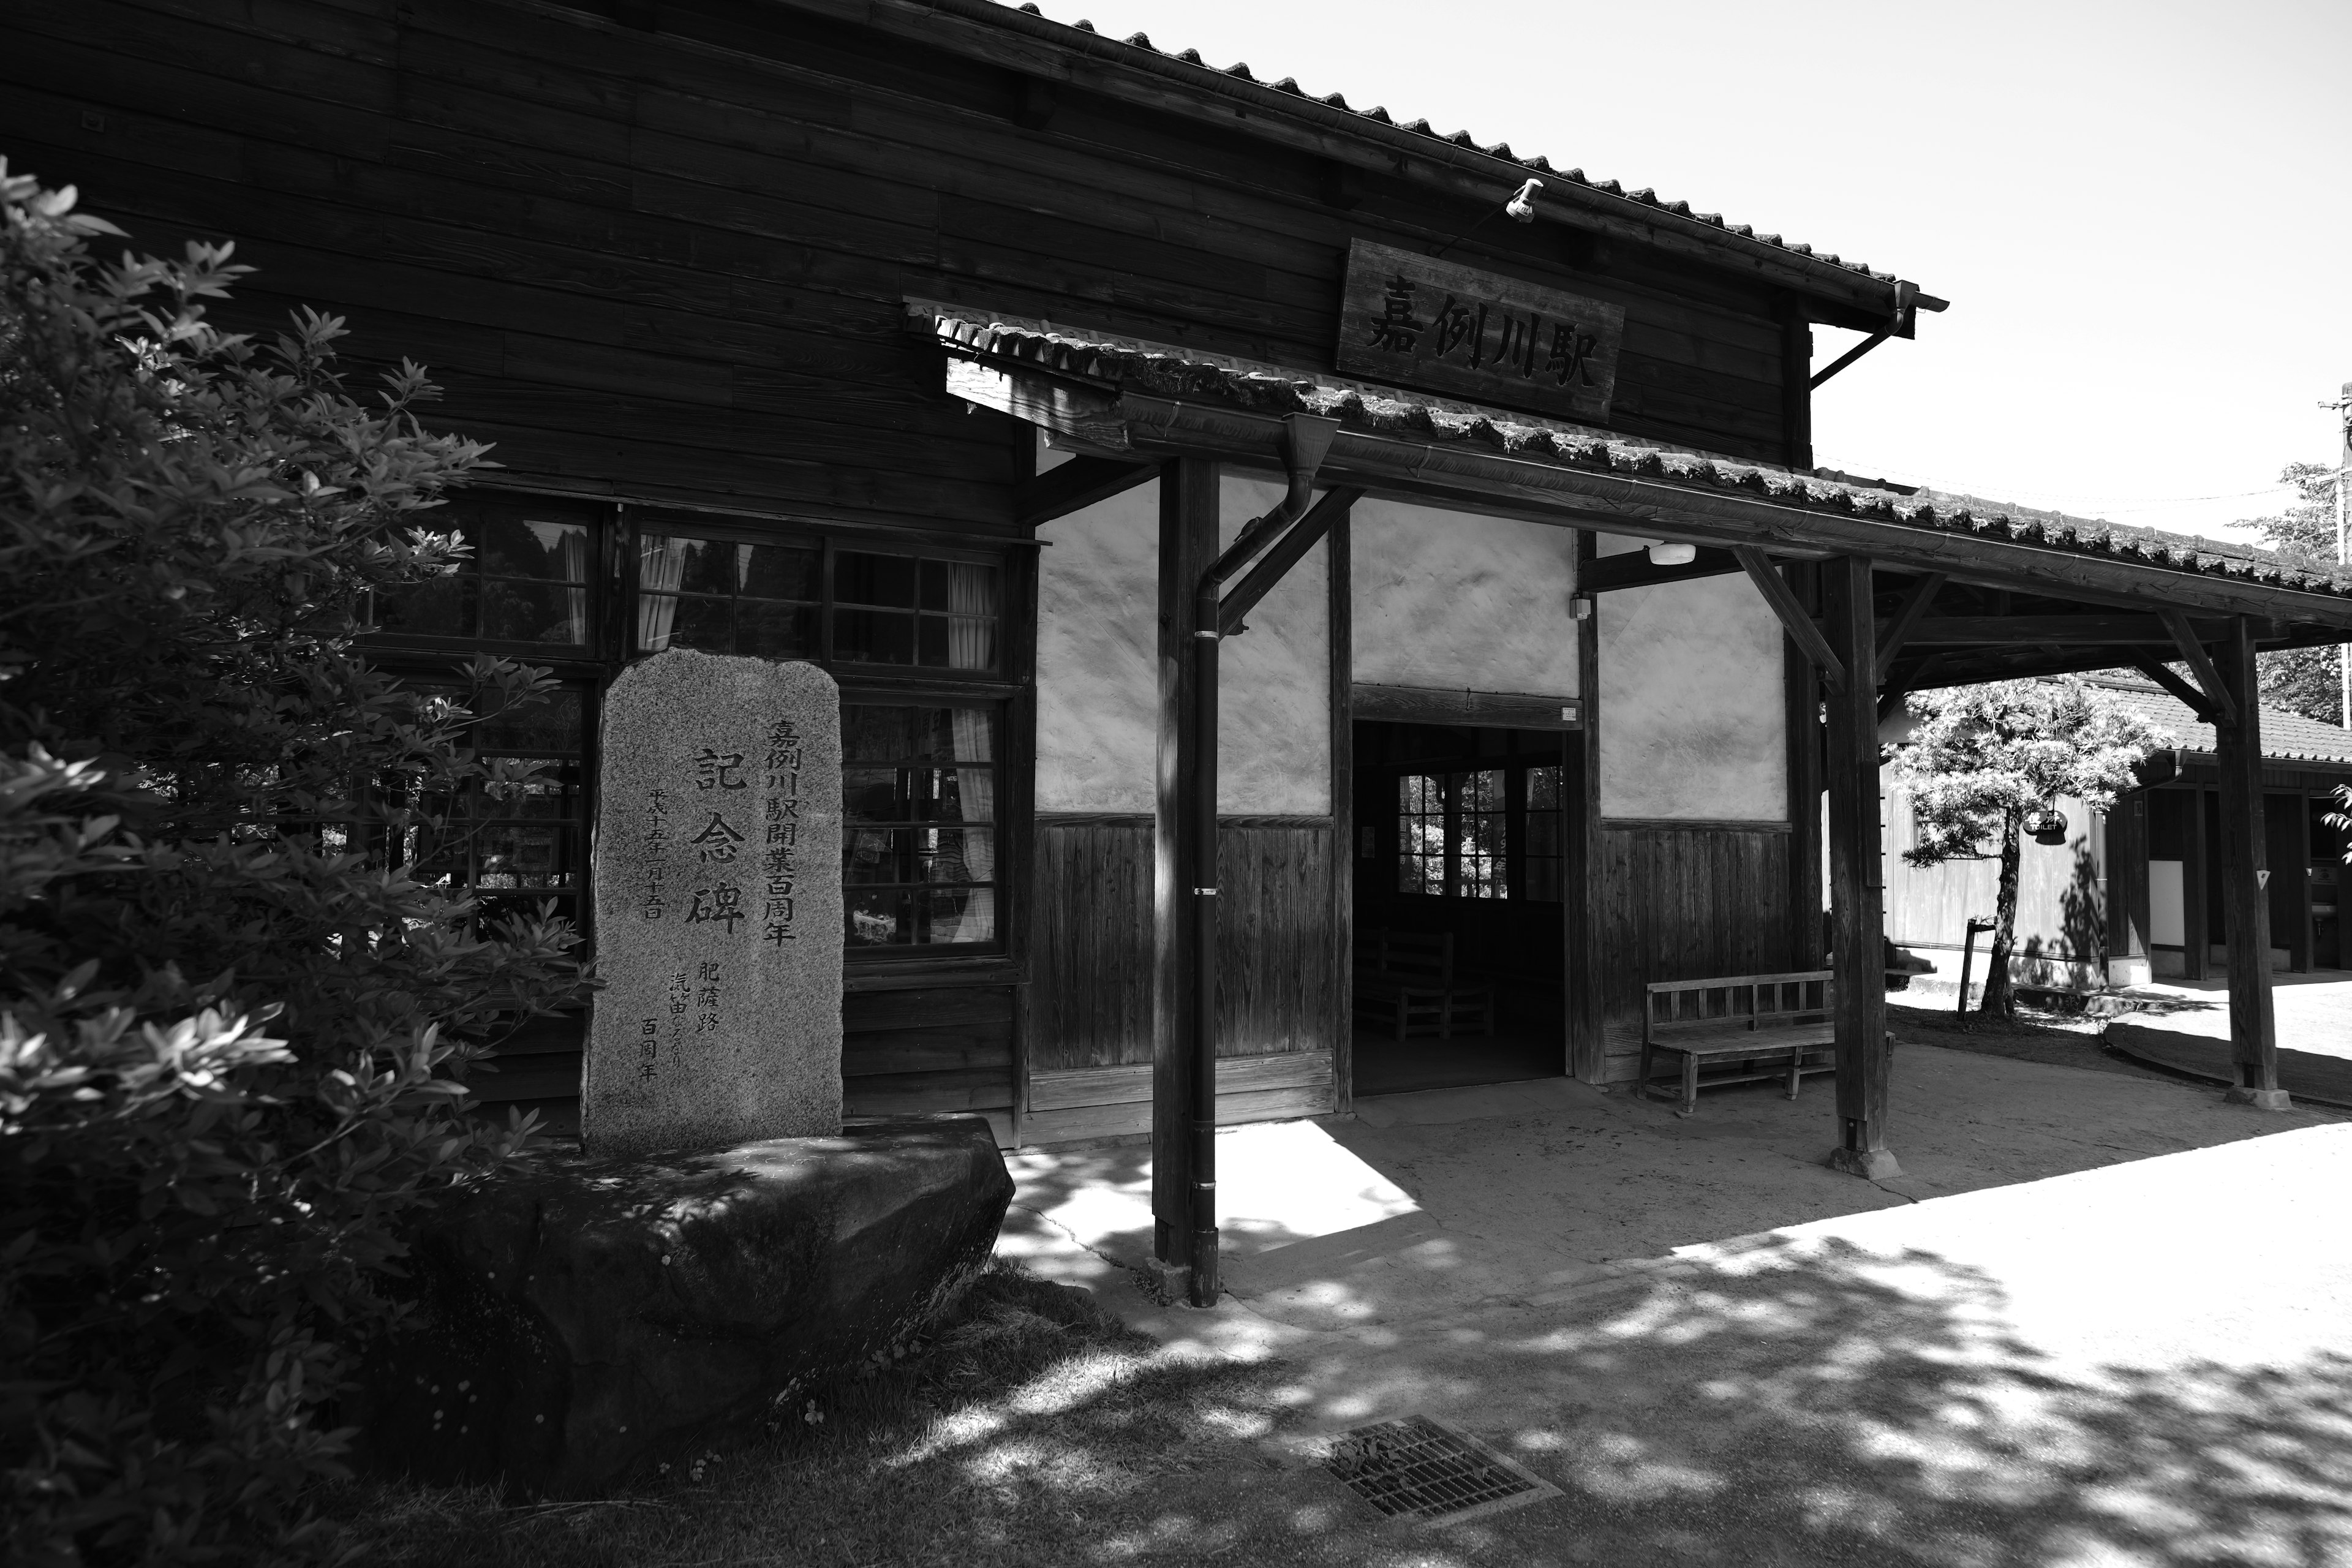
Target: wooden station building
(952, 347)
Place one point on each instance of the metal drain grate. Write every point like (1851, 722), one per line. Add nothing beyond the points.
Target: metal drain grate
(1415, 1467)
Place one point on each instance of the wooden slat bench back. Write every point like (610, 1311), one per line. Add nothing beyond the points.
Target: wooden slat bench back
(1770, 1023)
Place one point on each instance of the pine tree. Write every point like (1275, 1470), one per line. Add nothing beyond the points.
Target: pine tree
(1983, 757)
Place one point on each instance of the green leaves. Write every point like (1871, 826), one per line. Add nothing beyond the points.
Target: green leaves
(234, 1015)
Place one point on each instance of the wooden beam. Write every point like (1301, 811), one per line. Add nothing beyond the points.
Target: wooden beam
(1802, 694)
(1906, 619)
(1634, 569)
(2155, 670)
(1785, 604)
(1074, 486)
(1857, 882)
(1584, 909)
(2042, 631)
(1921, 677)
(2245, 897)
(2200, 663)
(1286, 552)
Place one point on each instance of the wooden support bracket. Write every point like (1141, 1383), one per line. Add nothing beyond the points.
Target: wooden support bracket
(2196, 700)
(1785, 604)
(1074, 486)
(1890, 642)
(2184, 636)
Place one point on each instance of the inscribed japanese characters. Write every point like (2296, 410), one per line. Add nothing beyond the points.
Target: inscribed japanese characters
(718, 894)
(1410, 320)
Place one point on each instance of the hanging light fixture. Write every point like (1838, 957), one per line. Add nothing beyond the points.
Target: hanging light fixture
(1670, 553)
(2048, 826)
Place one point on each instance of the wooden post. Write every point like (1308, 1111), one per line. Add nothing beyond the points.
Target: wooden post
(1188, 543)
(1582, 893)
(1804, 694)
(2245, 897)
(2127, 895)
(1857, 877)
(2196, 891)
(1339, 563)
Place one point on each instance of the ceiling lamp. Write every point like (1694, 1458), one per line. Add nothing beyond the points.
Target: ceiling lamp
(1667, 553)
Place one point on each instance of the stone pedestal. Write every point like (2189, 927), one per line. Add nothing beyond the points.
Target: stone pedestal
(719, 914)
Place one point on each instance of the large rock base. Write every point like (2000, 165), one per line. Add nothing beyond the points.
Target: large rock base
(574, 1326)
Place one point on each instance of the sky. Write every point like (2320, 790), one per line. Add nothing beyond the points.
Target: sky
(2140, 211)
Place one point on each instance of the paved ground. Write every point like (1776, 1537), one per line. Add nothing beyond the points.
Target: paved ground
(2185, 1024)
(2114, 1331)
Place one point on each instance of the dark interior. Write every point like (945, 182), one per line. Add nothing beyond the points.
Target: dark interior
(1461, 831)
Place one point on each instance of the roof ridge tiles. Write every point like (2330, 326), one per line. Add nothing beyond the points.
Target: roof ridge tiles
(1501, 150)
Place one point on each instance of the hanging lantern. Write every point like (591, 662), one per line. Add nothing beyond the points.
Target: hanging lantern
(2048, 826)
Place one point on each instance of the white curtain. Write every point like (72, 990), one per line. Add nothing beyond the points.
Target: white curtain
(661, 567)
(971, 644)
(572, 560)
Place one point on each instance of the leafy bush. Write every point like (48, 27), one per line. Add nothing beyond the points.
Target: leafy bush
(233, 1029)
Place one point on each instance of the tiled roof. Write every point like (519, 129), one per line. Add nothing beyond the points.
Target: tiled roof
(1166, 371)
(1538, 164)
(2286, 737)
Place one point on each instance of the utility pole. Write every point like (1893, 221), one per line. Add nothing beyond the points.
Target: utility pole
(2344, 526)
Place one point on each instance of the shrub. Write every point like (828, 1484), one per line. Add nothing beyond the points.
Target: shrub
(233, 1029)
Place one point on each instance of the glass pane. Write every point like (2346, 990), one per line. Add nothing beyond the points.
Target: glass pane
(705, 624)
(931, 643)
(935, 584)
(968, 914)
(971, 642)
(859, 578)
(879, 734)
(1543, 880)
(777, 572)
(1481, 824)
(515, 610)
(509, 544)
(873, 637)
(709, 565)
(1543, 789)
(776, 631)
(879, 918)
(920, 855)
(550, 724)
(437, 607)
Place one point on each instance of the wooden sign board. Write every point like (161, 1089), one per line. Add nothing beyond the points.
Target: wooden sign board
(1408, 320)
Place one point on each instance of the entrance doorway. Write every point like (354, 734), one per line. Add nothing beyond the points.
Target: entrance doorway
(1459, 865)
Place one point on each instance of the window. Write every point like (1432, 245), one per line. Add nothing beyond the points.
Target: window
(898, 609)
(526, 849)
(1452, 834)
(1543, 841)
(709, 590)
(526, 582)
(1484, 832)
(919, 824)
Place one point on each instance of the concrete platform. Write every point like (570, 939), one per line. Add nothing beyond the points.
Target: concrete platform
(2104, 1320)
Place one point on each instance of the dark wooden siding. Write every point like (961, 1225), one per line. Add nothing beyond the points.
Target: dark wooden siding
(1683, 903)
(1091, 941)
(696, 241)
(935, 1050)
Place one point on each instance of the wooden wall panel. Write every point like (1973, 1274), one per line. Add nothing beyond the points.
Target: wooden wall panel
(1683, 903)
(919, 1052)
(1091, 997)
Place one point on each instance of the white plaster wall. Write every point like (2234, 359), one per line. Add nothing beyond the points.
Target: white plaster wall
(1097, 641)
(1274, 719)
(1692, 725)
(1098, 681)
(1455, 601)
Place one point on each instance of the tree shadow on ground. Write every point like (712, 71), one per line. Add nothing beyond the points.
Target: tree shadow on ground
(1811, 1404)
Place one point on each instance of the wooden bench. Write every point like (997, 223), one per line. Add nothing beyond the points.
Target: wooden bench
(1404, 981)
(1766, 1026)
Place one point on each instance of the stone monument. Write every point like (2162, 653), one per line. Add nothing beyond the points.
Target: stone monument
(718, 893)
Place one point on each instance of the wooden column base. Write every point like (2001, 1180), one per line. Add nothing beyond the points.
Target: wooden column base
(2260, 1098)
(1870, 1164)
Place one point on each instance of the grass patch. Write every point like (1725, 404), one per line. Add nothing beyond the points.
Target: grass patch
(1032, 1427)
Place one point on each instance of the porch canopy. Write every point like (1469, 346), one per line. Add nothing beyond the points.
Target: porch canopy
(1885, 589)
